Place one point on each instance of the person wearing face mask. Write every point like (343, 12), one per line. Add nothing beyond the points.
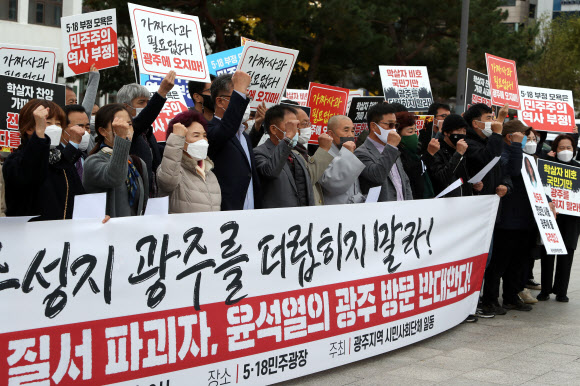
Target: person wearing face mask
(230, 148)
(340, 179)
(40, 176)
(110, 168)
(563, 151)
(381, 156)
(76, 116)
(283, 173)
(446, 161)
(200, 93)
(421, 185)
(185, 173)
(440, 111)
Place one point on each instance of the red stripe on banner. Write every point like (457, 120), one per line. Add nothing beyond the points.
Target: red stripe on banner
(131, 347)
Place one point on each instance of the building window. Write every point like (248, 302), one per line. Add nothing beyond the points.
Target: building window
(9, 10)
(532, 13)
(45, 12)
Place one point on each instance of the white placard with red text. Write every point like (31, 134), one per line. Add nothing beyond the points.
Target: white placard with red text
(300, 96)
(546, 109)
(87, 39)
(174, 105)
(168, 41)
(235, 296)
(27, 62)
(270, 68)
(549, 231)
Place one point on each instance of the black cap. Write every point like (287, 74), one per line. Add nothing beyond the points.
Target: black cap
(453, 122)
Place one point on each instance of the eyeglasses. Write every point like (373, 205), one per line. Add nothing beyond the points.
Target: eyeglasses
(226, 97)
(391, 125)
(442, 115)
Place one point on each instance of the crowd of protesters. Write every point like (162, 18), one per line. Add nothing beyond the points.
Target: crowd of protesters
(217, 156)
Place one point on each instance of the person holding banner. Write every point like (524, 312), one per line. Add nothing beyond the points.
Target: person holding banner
(109, 167)
(381, 157)
(40, 176)
(564, 152)
(185, 172)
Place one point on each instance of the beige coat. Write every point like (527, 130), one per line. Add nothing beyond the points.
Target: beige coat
(187, 189)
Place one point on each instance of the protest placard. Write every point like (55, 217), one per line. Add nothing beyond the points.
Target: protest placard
(545, 220)
(476, 89)
(300, 96)
(27, 62)
(87, 39)
(224, 62)
(270, 68)
(174, 105)
(407, 85)
(325, 101)
(546, 109)
(168, 41)
(180, 85)
(421, 121)
(503, 81)
(359, 92)
(358, 111)
(244, 40)
(235, 292)
(18, 92)
(561, 183)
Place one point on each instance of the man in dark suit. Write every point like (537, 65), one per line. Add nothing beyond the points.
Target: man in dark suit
(230, 148)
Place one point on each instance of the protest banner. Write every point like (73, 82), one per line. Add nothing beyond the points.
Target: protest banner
(358, 112)
(545, 220)
(421, 121)
(27, 62)
(236, 296)
(174, 105)
(18, 92)
(561, 183)
(168, 41)
(180, 85)
(325, 101)
(407, 85)
(270, 68)
(300, 96)
(503, 81)
(224, 62)
(87, 39)
(546, 109)
(358, 92)
(476, 89)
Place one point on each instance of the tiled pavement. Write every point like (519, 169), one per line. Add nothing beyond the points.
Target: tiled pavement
(540, 347)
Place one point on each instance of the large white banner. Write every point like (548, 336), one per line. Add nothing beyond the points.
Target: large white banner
(27, 62)
(248, 297)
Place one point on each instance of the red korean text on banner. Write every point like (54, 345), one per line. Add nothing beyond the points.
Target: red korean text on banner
(422, 121)
(325, 102)
(547, 109)
(503, 81)
(174, 105)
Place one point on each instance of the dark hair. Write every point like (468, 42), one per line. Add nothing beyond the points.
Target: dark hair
(104, 117)
(435, 106)
(375, 113)
(195, 87)
(405, 119)
(531, 130)
(275, 114)
(69, 88)
(73, 109)
(221, 84)
(562, 137)
(475, 112)
(26, 119)
(186, 118)
(399, 107)
(290, 102)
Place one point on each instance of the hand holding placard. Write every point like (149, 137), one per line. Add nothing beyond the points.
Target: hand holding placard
(167, 84)
(501, 190)
(40, 114)
(478, 186)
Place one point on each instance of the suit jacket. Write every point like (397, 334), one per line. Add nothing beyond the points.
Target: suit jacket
(340, 180)
(276, 177)
(231, 165)
(377, 171)
(316, 166)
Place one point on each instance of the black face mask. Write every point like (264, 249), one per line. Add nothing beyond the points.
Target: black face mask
(345, 139)
(207, 102)
(454, 138)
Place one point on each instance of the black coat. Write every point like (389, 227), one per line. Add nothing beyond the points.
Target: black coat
(445, 167)
(36, 188)
(479, 153)
(231, 165)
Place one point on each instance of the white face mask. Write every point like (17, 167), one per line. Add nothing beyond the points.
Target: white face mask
(53, 132)
(565, 155)
(530, 147)
(383, 136)
(487, 130)
(305, 135)
(84, 141)
(198, 150)
(138, 110)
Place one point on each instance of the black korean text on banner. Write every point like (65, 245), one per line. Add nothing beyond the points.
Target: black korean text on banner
(476, 89)
(270, 68)
(167, 41)
(358, 111)
(549, 231)
(34, 63)
(561, 183)
(547, 109)
(300, 96)
(87, 39)
(233, 292)
(407, 85)
(17, 92)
